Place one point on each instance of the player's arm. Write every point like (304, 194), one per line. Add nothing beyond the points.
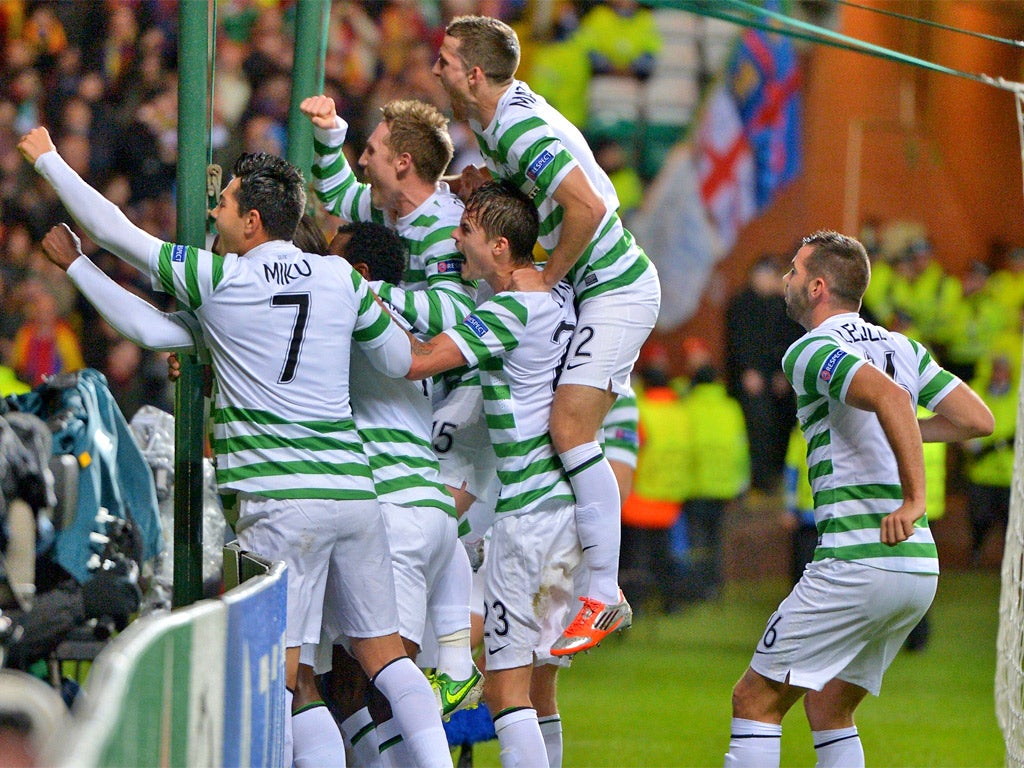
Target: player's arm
(334, 182)
(584, 209)
(103, 220)
(130, 315)
(871, 390)
(430, 358)
(428, 311)
(960, 415)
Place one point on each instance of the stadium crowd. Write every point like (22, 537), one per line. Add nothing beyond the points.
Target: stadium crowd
(105, 84)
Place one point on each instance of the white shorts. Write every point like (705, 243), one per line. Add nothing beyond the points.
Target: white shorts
(529, 586)
(845, 620)
(461, 441)
(338, 563)
(610, 329)
(421, 543)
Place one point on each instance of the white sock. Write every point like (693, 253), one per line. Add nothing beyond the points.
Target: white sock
(449, 613)
(415, 710)
(317, 740)
(392, 750)
(360, 735)
(839, 748)
(598, 517)
(288, 744)
(455, 656)
(753, 744)
(551, 730)
(522, 745)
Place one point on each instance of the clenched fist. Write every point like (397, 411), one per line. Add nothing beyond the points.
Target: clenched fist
(320, 110)
(35, 143)
(62, 246)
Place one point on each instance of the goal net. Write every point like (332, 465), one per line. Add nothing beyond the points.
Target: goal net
(1010, 640)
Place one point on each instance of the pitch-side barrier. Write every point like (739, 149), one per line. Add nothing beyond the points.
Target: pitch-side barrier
(198, 686)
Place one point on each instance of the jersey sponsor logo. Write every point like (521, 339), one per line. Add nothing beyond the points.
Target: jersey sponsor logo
(590, 280)
(476, 325)
(449, 265)
(829, 368)
(178, 253)
(537, 166)
(283, 273)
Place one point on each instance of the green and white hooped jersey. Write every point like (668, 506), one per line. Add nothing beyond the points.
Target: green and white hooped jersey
(518, 341)
(279, 325)
(621, 441)
(434, 262)
(851, 467)
(394, 418)
(532, 145)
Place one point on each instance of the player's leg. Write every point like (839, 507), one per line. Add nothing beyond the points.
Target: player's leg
(758, 706)
(314, 729)
(543, 694)
(830, 714)
(610, 330)
(577, 413)
(393, 748)
(507, 692)
(345, 688)
(889, 605)
(466, 457)
(268, 527)
(363, 608)
(457, 680)
(529, 555)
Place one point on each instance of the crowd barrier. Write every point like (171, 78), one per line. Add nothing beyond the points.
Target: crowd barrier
(198, 686)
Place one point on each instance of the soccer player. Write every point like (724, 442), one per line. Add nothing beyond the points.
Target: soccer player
(526, 141)
(393, 417)
(279, 325)
(875, 570)
(403, 161)
(517, 339)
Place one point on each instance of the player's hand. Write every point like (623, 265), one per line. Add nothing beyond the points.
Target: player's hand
(35, 143)
(173, 367)
(320, 110)
(528, 279)
(471, 178)
(898, 526)
(62, 246)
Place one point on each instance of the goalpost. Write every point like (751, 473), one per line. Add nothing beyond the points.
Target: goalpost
(1009, 683)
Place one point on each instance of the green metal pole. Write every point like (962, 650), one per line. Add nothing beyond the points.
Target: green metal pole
(311, 18)
(193, 142)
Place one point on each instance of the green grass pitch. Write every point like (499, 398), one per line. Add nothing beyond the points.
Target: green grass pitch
(660, 694)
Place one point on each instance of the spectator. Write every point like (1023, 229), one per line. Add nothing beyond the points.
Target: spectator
(718, 471)
(757, 333)
(620, 38)
(990, 459)
(921, 289)
(614, 160)
(45, 344)
(659, 485)
(975, 319)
